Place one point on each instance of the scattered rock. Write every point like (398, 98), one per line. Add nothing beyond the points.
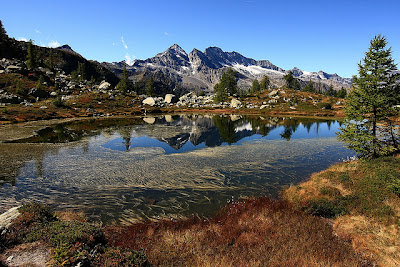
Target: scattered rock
(149, 120)
(149, 101)
(168, 118)
(13, 69)
(104, 85)
(236, 103)
(8, 217)
(67, 97)
(10, 98)
(168, 98)
(273, 93)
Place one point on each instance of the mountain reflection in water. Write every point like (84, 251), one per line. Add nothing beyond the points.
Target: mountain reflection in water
(128, 169)
(197, 132)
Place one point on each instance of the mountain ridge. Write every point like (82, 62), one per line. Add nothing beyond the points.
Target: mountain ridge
(200, 71)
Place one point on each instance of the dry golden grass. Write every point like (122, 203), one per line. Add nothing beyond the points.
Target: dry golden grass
(370, 238)
(373, 215)
(313, 188)
(253, 232)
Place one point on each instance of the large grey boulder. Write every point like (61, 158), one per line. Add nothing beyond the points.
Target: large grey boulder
(149, 101)
(13, 69)
(168, 98)
(149, 120)
(273, 93)
(236, 103)
(104, 85)
(7, 218)
(10, 98)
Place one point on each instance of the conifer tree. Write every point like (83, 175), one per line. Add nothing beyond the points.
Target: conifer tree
(124, 85)
(3, 32)
(40, 82)
(19, 89)
(227, 85)
(265, 83)
(371, 104)
(81, 71)
(50, 60)
(309, 87)
(256, 86)
(291, 81)
(150, 89)
(31, 56)
(342, 93)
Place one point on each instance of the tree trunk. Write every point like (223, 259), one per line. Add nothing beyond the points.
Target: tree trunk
(374, 138)
(392, 135)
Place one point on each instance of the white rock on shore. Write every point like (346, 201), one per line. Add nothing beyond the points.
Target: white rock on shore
(8, 217)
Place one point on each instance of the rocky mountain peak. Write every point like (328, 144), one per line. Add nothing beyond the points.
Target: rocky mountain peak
(176, 49)
(68, 49)
(213, 51)
(297, 72)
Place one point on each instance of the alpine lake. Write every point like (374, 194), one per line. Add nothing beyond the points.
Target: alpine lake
(121, 170)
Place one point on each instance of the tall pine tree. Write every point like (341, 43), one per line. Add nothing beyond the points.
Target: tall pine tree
(265, 83)
(291, 81)
(227, 85)
(31, 56)
(124, 85)
(150, 88)
(371, 104)
(256, 86)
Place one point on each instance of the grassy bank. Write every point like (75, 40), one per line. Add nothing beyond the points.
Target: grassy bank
(363, 200)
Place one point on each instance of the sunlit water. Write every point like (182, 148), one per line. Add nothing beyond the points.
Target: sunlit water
(166, 166)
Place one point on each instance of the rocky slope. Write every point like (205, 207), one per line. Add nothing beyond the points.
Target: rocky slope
(200, 71)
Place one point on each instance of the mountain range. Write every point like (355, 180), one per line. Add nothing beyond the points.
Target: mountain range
(200, 71)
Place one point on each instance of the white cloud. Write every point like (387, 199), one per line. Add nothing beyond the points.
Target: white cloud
(129, 60)
(22, 39)
(123, 43)
(53, 44)
(38, 32)
(166, 33)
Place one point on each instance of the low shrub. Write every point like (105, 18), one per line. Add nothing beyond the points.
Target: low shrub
(330, 191)
(327, 209)
(37, 212)
(117, 256)
(58, 102)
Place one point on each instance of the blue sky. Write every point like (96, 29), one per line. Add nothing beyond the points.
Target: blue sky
(311, 35)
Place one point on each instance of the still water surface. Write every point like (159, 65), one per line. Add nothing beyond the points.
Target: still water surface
(166, 166)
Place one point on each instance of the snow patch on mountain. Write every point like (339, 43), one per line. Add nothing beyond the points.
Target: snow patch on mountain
(255, 70)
